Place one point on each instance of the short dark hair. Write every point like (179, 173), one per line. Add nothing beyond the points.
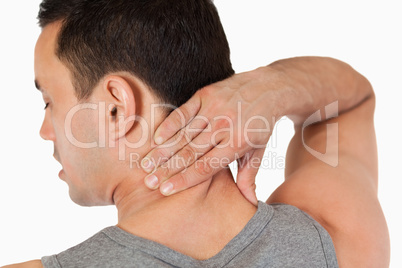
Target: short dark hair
(175, 47)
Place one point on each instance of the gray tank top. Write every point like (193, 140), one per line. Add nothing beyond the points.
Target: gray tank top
(278, 235)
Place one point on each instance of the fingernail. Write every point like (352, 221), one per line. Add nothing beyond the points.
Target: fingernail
(151, 181)
(147, 165)
(166, 188)
(158, 140)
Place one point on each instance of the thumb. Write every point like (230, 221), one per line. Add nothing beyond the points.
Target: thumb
(248, 168)
(247, 187)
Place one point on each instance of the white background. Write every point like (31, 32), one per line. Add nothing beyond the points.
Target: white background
(36, 215)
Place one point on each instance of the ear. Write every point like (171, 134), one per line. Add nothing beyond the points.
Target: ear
(122, 106)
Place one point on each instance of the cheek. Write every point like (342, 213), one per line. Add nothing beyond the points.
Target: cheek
(84, 163)
(72, 145)
(83, 129)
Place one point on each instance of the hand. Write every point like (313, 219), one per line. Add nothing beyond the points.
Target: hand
(226, 121)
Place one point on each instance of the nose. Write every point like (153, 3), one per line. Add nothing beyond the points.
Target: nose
(47, 130)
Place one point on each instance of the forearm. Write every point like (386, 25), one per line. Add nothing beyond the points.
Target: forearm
(296, 87)
(307, 84)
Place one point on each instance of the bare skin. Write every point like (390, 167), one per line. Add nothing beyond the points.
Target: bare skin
(28, 264)
(343, 198)
(96, 176)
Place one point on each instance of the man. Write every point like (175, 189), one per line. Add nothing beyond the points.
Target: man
(101, 65)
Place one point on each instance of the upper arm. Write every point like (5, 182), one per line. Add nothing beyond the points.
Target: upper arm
(342, 198)
(29, 264)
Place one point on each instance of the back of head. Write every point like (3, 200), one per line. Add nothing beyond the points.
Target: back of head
(175, 47)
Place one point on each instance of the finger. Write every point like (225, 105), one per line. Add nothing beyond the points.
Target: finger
(161, 154)
(248, 167)
(200, 171)
(178, 119)
(190, 153)
(183, 159)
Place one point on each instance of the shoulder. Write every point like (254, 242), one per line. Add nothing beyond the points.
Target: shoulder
(29, 264)
(110, 247)
(347, 208)
(342, 197)
(291, 238)
(292, 221)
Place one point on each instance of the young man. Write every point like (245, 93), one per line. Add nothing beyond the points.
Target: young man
(103, 65)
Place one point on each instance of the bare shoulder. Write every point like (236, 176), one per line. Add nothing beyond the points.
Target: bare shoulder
(28, 264)
(341, 197)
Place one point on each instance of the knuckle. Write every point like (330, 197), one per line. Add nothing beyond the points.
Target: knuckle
(245, 187)
(182, 180)
(185, 113)
(164, 171)
(254, 187)
(186, 135)
(242, 187)
(160, 155)
(188, 154)
(183, 139)
(222, 123)
(206, 91)
(203, 168)
(180, 116)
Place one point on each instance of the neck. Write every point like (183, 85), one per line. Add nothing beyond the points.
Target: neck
(211, 213)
